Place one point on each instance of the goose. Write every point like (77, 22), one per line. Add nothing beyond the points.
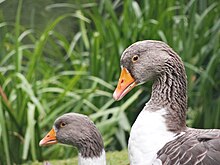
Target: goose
(159, 134)
(79, 131)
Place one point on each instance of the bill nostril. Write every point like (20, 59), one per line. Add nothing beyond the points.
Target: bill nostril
(122, 81)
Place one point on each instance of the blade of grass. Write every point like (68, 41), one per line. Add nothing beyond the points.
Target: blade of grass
(4, 136)
(29, 139)
(26, 87)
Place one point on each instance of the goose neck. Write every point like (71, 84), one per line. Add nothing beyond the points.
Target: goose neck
(169, 92)
(95, 160)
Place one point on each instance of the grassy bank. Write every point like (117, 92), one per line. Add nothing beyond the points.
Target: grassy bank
(112, 158)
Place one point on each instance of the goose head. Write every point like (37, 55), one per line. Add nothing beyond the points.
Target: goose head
(144, 61)
(76, 130)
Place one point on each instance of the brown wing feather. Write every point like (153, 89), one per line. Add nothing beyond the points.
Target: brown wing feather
(195, 147)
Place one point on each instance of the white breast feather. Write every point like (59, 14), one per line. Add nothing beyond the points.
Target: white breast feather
(92, 161)
(148, 135)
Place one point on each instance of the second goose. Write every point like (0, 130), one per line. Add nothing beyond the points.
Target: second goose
(79, 131)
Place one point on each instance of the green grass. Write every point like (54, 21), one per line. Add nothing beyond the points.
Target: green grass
(112, 158)
(64, 57)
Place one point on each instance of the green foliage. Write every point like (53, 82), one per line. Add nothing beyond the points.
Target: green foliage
(71, 64)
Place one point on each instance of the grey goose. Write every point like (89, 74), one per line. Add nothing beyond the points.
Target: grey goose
(79, 131)
(160, 135)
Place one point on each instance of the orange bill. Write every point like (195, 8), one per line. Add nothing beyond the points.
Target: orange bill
(49, 139)
(125, 83)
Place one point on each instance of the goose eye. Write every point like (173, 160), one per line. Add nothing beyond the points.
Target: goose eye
(135, 58)
(62, 124)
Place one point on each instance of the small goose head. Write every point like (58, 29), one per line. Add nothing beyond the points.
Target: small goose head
(76, 130)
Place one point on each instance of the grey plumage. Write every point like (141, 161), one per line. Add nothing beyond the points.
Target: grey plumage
(194, 147)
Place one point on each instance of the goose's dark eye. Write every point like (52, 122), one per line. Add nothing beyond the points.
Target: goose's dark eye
(62, 124)
(135, 58)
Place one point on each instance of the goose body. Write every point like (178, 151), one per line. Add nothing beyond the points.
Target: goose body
(160, 135)
(79, 131)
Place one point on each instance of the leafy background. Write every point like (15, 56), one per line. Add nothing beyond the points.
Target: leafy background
(58, 57)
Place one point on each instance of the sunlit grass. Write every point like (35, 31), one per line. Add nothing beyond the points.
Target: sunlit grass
(112, 158)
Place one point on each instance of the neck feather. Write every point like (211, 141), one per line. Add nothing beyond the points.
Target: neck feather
(91, 146)
(100, 160)
(169, 92)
